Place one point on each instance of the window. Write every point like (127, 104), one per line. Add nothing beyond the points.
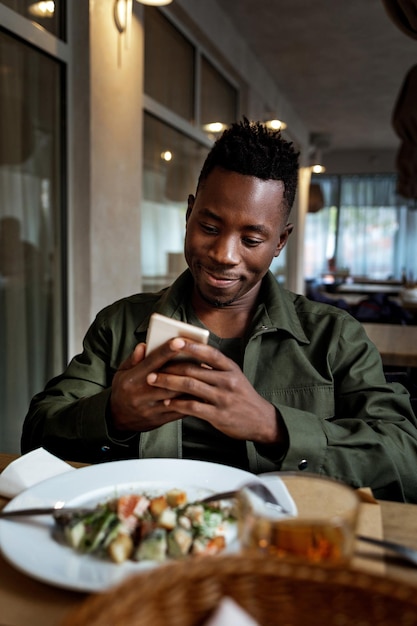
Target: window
(219, 98)
(320, 230)
(172, 163)
(175, 144)
(32, 336)
(169, 65)
(363, 228)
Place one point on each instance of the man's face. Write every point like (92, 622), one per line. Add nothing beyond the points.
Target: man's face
(236, 225)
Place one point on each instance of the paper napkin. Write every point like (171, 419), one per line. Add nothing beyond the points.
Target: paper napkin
(230, 613)
(29, 469)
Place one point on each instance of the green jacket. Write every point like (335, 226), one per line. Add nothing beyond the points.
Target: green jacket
(312, 361)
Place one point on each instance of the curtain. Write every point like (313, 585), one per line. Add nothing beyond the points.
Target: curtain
(319, 243)
(371, 230)
(320, 230)
(31, 337)
(404, 121)
(404, 15)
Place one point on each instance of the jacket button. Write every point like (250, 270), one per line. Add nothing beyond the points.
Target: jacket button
(105, 448)
(303, 465)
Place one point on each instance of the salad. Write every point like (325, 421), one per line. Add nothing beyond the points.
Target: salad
(141, 527)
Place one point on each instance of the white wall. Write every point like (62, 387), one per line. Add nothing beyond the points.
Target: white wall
(106, 164)
(116, 145)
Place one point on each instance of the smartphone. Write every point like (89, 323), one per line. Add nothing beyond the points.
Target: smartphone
(162, 328)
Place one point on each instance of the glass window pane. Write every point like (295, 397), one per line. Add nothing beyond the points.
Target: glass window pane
(364, 229)
(368, 226)
(278, 266)
(319, 242)
(169, 65)
(320, 230)
(219, 99)
(31, 332)
(166, 186)
(49, 14)
(366, 243)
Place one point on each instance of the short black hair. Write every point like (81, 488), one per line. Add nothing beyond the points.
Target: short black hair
(251, 149)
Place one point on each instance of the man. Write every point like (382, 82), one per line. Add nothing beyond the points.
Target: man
(285, 383)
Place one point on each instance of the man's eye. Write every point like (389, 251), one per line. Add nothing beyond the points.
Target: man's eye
(252, 242)
(208, 228)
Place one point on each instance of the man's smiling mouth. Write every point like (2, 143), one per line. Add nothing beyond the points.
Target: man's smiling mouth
(220, 280)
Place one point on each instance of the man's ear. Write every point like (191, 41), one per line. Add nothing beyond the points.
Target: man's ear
(283, 238)
(190, 204)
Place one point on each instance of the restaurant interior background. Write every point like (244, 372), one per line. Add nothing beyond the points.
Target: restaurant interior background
(105, 113)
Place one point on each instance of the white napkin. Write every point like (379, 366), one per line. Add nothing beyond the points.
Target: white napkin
(29, 469)
(228, 613)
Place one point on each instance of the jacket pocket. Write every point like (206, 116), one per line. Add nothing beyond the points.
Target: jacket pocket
(317, 399)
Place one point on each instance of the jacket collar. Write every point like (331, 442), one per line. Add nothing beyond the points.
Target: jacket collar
(170, 301)
(276, 312)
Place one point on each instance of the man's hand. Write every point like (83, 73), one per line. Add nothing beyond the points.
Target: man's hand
(135, 405)
(217, 392)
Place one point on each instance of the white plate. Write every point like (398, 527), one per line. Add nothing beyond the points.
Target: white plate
(30, 546)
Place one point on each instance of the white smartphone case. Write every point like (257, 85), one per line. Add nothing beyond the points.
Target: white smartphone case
(162, 328)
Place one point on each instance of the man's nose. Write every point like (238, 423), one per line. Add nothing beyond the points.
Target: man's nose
(225, 250)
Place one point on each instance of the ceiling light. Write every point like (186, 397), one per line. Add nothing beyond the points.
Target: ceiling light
(214, 127)
(275, 124)
(318, 143)
(318, 168)
(166, 155)
(42, 9)
(155, 3)
(316, 162)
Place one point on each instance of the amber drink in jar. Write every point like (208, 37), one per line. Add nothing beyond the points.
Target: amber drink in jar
(322, 530)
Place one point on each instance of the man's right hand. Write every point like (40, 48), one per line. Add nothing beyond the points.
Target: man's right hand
(135, 405)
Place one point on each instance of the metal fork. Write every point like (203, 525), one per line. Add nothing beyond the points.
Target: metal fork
(258, 489)
(410, 554)
(407, 553)
(59, 512)
(56, 512)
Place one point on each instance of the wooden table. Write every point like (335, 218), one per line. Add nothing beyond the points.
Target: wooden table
(367, 289)
(27, 602)
(396, 343)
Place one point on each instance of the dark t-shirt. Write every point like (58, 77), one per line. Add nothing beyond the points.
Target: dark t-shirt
(200, 439)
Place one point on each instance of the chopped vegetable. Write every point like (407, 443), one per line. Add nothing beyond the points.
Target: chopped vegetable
(145, 528)
(153, 547)
(179, 542)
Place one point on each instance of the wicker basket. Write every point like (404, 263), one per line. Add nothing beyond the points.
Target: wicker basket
(275, 593)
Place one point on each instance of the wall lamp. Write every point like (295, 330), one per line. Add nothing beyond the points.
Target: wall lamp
(123, 11)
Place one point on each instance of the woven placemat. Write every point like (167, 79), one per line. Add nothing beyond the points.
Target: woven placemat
(273, 592)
